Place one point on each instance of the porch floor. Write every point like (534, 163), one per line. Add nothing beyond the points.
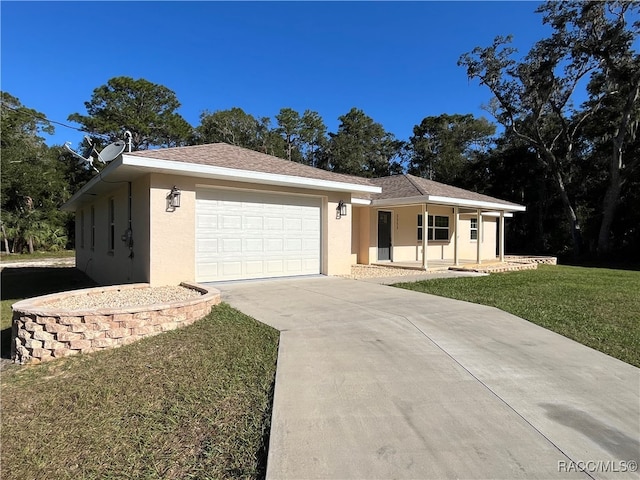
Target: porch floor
(512, 263)
(432, 265)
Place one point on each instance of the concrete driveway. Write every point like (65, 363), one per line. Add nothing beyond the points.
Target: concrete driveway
(379, 382)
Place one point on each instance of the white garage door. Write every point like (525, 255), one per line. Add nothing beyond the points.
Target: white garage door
(243, 234)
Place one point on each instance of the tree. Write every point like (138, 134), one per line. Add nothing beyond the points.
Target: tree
(303, 135)
(33, 183)
(601, 31)
(362, 147)
(146, 109)
(313, 136)
(290, 127)
(535, 98)
(442, 146)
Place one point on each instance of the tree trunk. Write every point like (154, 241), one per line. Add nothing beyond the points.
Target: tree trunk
(576, 233)
(612, 195)
(30, 243)
(6, 240)
(610, 202)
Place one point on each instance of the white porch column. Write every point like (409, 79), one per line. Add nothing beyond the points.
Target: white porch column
(501, 244)
(425, 234)
(479, 241)
(456, 214)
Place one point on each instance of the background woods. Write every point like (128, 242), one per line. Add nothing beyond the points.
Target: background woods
(561, 139)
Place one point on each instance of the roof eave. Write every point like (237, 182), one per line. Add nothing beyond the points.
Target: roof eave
(149, 164)
(480, 204)
(224, 173)
(70, 205)
(450, 201)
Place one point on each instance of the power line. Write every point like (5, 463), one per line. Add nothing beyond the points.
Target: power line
(45, 119)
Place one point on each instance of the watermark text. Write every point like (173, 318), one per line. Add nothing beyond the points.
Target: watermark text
(598, 466)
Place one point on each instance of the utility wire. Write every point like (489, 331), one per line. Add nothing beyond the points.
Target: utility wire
(45, 119)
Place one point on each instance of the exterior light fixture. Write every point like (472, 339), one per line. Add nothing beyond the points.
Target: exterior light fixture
(173, 198)
(341, 210)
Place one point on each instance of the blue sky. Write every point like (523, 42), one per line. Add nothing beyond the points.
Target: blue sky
(394, 60)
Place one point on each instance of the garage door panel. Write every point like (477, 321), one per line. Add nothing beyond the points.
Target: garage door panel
(253, 245)
(231, 245)
(274, 245)
(309, 225)
(231, 269)
(254, 223)
(274, 267)
(207, 221)
(310, 245)
(294, 245)
(253, 235)
(207, 269)
(273, 223)
(207, 246)
(255, 267)
(230, 222)
(293, 224)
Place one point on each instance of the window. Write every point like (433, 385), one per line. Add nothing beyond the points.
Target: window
(112, 225)
(438, 228)
(93, 227)
(81, 228)
(474, 229)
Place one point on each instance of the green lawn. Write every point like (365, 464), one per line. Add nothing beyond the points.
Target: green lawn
(595, 306)
(190, 403)
(24, 257)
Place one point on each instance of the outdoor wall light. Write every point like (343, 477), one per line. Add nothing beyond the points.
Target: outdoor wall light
(341, 210)
(173, 198)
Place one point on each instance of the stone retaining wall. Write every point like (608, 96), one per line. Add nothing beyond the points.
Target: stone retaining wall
(532, 259)
(41, 334)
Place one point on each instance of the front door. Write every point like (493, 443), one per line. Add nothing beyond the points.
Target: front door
(384, 235)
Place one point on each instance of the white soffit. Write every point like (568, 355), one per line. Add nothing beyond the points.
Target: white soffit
(450, 201)
(461, 202)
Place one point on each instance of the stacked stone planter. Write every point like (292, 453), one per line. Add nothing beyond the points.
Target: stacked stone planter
(42, 333)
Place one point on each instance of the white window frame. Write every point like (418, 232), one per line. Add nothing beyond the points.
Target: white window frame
(431, 228)
(473, 229)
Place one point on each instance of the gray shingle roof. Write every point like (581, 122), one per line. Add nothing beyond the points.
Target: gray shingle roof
(404, 186)
(231, 156)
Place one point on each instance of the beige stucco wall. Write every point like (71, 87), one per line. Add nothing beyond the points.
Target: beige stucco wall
(365, 226)
(115, 267)
(338, 236)
(355, 234)
(172, 243)
(468, 248)
(407, 248)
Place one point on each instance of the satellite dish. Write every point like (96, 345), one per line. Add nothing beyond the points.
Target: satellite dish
(111, 151)
(87, 163)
